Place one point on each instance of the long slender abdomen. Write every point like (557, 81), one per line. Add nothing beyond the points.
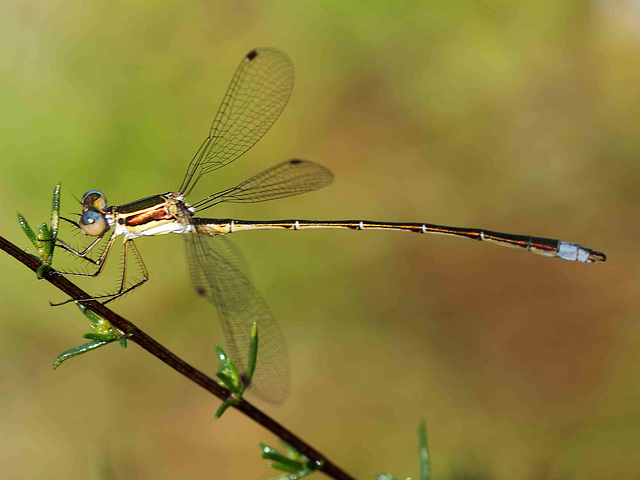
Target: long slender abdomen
(542, 246)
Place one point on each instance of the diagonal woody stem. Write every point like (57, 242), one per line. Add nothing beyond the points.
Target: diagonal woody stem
(175, 362)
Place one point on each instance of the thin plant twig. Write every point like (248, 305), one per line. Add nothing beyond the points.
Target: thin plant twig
(156, 349)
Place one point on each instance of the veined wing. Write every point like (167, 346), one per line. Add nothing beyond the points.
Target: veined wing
(220, 274)
(258, 93)
(292, 177)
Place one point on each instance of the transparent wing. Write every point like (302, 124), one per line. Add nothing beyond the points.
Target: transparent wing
(258, 93)
(220, 274)
(292, 177)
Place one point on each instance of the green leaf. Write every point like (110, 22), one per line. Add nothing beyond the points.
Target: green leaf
(221, 353)
(103, 334)
(253, 352)
(284, 461)
(423, 449)
(230, 379)
(293, 463)
(92, 316)
(55, 212)
(226, 404)
(229, 374)
(100, 337)
(79, 350)
(42, 271)
(27, 230)
(45, 240)
(45, 249)
(227, 381)
(287, 469)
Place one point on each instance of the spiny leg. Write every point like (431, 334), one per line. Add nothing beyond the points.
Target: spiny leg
(83, 254)
(101, 262)
(123, 290)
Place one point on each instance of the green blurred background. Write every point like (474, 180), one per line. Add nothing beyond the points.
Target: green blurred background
(513, 116)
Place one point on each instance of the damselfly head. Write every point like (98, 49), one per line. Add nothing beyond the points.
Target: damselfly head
(93, 199)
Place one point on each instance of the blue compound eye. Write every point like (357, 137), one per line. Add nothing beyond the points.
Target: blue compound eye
(93, 223)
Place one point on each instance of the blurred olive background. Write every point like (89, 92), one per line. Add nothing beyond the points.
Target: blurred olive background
(512, 116)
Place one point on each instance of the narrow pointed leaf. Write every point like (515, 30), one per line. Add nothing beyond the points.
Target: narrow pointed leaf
(27, 230)
(282, 460)
(425, 461)
(226, 404)
(253, 352)
(79, 350)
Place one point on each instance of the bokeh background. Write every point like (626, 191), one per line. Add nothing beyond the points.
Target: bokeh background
(512, 116)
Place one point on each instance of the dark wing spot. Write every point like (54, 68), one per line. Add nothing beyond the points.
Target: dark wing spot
(200, 291)
(295, 161)
(252, 54)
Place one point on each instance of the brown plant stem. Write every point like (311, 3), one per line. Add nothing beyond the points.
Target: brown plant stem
(153, 347)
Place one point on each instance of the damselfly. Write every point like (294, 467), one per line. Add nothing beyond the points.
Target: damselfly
(258, 93)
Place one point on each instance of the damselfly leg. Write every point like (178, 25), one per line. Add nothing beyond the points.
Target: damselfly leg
(123, 286)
